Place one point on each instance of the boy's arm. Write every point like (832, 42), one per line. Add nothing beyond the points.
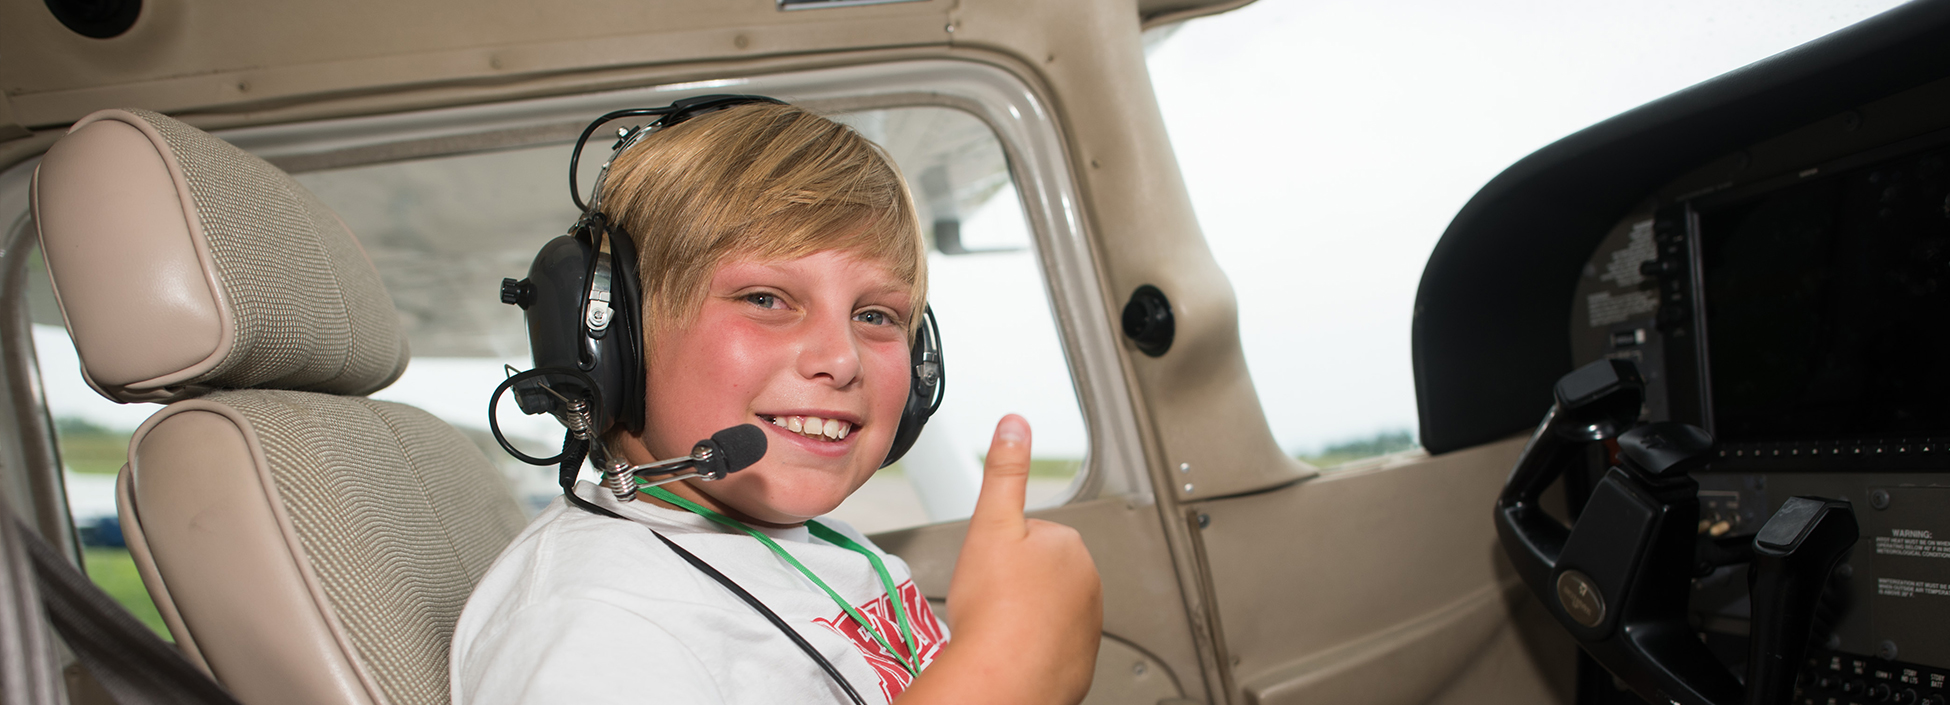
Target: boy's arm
(1025, 604)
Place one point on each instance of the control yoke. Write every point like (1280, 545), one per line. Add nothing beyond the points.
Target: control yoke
(1619, 580)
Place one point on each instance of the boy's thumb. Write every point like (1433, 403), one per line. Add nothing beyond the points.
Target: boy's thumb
(1005, 475)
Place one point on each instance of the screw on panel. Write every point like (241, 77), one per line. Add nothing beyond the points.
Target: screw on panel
(1184, 467)
(1188, 488)
(1879, 499)
(1886, 650)
(1204, 520)
(1137, 669)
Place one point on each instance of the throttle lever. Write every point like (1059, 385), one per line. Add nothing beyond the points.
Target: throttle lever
(1794, 553)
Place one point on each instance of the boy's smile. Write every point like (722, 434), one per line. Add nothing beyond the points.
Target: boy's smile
(814, 350)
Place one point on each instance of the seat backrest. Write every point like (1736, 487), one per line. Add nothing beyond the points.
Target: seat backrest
(304, 543)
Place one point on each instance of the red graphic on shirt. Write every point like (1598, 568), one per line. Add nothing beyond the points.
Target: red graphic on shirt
(928, 638)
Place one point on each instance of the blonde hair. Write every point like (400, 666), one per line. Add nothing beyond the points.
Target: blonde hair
(760, 180)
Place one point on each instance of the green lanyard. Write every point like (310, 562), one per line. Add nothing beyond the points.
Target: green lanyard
(912, 662)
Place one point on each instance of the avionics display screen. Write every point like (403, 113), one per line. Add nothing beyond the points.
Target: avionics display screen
(1828, 305)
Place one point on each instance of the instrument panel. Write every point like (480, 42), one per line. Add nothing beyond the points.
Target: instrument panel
(1794, 300)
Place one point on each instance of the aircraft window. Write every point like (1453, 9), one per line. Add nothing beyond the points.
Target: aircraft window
(1323, 194)
(444, 231)
(998, 332)
(93, 437)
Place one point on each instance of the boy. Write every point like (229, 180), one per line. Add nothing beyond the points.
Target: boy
(782, 272)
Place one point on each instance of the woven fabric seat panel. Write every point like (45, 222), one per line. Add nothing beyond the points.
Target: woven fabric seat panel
(307, 308)
(399, 515)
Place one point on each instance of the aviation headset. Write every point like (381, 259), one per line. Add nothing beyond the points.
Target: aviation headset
(584, 307)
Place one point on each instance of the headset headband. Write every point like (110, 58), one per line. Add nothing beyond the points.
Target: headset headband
(670, 115)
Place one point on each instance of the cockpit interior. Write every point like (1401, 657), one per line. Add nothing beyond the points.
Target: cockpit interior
(1681, 378)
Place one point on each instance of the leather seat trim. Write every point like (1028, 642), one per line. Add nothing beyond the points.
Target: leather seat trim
(129, 515)
(321, 645)
(158, 387)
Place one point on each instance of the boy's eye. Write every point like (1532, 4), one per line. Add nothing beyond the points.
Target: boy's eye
(876, 318)
(763, 300)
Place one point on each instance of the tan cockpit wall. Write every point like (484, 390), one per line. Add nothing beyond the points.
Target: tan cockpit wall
(1226, 527)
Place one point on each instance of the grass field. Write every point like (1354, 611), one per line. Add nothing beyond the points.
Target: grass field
(114, 572)
(91, 449)
(1349, 451)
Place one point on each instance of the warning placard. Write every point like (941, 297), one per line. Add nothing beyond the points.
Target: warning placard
(1917, 544)
(1897, 587)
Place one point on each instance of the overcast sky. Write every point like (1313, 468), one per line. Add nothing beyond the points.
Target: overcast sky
(1327, 144)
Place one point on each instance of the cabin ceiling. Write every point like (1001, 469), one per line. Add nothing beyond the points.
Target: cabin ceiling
(189, 57)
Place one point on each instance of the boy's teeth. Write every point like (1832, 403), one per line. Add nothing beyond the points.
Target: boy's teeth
(830, 429)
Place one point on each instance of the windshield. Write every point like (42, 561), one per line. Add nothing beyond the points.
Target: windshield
(1327, 145)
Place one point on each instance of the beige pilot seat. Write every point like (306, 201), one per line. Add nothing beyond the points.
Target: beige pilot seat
(305, 544)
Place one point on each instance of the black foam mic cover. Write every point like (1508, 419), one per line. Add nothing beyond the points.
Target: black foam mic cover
(736, 448)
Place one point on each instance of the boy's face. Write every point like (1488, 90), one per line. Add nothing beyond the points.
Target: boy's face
(818, 343)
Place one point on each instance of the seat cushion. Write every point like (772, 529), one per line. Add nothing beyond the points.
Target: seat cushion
(312, 548)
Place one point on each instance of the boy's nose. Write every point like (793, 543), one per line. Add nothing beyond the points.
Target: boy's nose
(829, 353)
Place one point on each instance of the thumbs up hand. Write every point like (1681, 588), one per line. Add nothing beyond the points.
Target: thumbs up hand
(1026, 605)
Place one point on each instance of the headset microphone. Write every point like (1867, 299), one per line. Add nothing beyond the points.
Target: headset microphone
(725, 452)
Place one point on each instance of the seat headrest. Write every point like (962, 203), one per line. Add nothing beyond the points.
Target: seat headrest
(183, 264)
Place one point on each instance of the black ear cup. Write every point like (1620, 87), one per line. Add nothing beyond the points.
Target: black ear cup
(584, 312)
(584, 308)
(927, 383)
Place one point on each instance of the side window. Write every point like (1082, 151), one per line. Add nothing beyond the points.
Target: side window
(93, 437)
(999, 336)
(444, 231)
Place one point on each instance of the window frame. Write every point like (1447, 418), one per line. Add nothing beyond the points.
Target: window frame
(1018, 115)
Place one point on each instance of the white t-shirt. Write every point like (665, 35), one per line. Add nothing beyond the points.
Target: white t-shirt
(583, 608)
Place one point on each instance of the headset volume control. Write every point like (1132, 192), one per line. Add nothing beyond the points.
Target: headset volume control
(517, 292)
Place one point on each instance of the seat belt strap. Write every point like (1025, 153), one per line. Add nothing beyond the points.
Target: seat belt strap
(134, 665)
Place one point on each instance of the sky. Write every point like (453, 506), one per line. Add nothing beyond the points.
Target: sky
(1327, 144)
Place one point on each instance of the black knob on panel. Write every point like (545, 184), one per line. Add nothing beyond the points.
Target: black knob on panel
(98, 19)
(517, 292)
(1148, 322)
(1880, 692)
(1906, 696)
